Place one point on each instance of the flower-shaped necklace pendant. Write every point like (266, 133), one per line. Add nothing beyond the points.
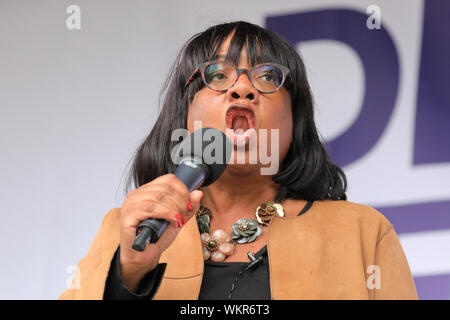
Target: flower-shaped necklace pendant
(245, 231)
(266, 211)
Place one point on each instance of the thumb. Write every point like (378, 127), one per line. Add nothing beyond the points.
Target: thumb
(195, 197)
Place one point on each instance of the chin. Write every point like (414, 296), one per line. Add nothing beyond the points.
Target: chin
(242, 170)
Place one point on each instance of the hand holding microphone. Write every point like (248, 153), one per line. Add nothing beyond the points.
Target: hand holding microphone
(151, 214)
(163, 198)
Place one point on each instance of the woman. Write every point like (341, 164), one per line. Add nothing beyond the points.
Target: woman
(310, 244)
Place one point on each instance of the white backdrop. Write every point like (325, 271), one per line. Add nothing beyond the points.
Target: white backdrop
(75, 104)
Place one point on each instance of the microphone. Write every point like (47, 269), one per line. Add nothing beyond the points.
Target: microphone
(202, 157)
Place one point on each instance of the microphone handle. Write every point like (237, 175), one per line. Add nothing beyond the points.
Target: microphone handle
(149, 231)
(192, 173)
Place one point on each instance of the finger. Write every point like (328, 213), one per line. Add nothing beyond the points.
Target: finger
(158, 212)
(169, 181)
(195, 198)
(161, 196)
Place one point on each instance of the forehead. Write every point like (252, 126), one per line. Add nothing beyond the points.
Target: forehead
(236, 52)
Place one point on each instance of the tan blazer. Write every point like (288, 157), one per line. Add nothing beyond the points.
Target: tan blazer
(336, 250)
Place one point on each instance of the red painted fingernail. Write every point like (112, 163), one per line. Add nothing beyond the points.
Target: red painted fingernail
(183, 221)
(177, 216)
(179, 223)
(189, 206)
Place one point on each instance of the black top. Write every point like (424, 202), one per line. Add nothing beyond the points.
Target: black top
(237, 280)
(221, 280)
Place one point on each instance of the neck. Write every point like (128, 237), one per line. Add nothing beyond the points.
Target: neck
(237, 194)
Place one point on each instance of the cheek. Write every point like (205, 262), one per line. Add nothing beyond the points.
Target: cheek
(286, 132)
(202, 113)
(192, 115)
(281, 120)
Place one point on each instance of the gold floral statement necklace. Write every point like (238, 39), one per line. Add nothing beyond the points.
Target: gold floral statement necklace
(217, 245)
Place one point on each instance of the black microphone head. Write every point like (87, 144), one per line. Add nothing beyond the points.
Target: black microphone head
(208, 146)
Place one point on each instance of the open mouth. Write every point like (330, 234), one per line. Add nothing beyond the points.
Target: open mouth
(240, 124)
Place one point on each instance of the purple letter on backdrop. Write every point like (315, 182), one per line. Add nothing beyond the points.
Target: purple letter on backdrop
(381, 66)
(432, 134)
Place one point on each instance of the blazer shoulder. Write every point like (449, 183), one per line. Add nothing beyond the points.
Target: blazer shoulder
(348, 207)
(112, 217)
(352, 212)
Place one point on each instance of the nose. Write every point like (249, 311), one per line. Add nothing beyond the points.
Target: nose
(243, 89)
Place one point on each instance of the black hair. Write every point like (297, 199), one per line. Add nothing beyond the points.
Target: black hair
(306, 171)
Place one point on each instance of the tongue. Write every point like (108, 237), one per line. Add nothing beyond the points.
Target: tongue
(240, 122)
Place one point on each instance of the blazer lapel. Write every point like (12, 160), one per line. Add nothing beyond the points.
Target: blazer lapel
(184, 272)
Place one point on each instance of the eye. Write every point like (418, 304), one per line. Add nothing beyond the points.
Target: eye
(217, 76)
(217, 72)
(268, 77)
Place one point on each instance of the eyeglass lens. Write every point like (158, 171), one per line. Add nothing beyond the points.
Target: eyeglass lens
(265, 77)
